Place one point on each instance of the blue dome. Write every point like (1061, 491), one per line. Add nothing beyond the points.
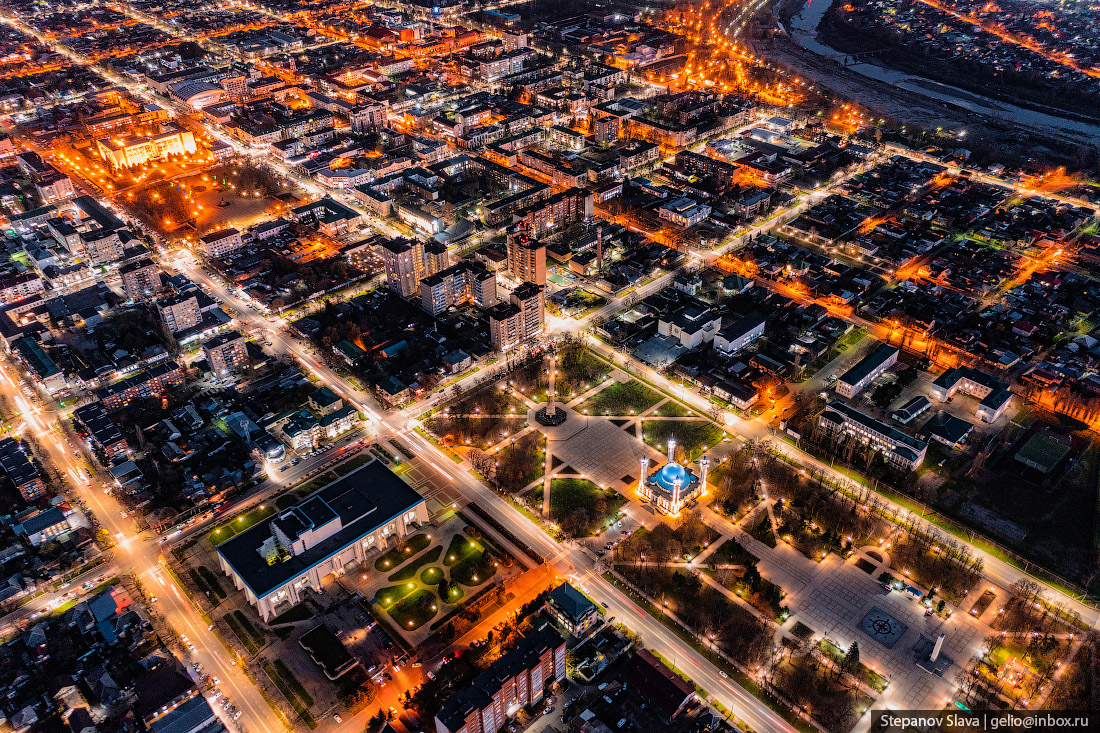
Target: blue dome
(669, 473)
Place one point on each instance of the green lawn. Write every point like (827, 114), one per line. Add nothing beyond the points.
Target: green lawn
(694, 436)
(409, 571)
(432, 575)
(567, 495)
(240, 523)
(361, 459)
(871, 678)
(240, 633)
(620, 399)
(415, 610)
(460, 548)
(392, 594)
(401, 553)
(474, 569)
(212, 582)
(246, 625)
(451, 592)
(287, 690)
(672, 408)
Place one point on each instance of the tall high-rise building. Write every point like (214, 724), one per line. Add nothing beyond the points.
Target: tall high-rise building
(606, 129)
(469, 281)
(518, 320)
(227, 353)
(408, 261)
(139, 279)
(180, 312)
(526, 258)
(529, 298)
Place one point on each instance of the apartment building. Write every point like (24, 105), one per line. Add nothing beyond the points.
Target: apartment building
(140, 279)
(102, 246)
(470, 281)
(226, 353)
(221, 242)
(180, 312)
(516, 680)
(526, 258)
(408, 261)
(561, 209)
(153, 382)
(20, 287)
(518, 320)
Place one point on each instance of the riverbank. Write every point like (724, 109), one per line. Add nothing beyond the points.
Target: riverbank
(938, 102)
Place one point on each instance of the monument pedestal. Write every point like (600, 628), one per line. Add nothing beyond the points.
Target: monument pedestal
(550, 415)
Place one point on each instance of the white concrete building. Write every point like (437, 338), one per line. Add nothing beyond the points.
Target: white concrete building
(739, 334)
(336, 529)
(992, 393)
(853, 381)
(899, 449)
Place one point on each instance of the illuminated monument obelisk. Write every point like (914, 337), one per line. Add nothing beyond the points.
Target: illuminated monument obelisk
(550, 414)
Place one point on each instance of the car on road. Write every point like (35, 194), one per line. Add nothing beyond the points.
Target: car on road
(337, 718)
(122, 514)
(296, 461)
(283, 468)
(723, 675)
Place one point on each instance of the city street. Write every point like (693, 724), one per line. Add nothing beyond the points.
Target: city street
(139, 553)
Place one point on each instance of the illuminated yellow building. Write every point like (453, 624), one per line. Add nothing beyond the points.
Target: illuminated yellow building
(125, 152)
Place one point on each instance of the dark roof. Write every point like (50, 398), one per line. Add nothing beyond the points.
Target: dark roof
(98, 213)
(325, 396)
(14, 462)
(327, 650)
(43, 520)
(663, 686)
(190, 716)
(868, 364)
(571, 601)
(947, 428)
(479, 694)
(219, 235)
(364, 500)
(36, 357)
(222, 339)
(159, 686)
(95, 420)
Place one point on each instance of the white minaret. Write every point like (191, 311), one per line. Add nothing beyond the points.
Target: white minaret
(936, 649)
(704, 464)
(645, 472)
(672, 449)
(675, 508)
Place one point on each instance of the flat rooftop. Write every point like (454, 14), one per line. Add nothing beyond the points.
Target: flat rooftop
(364, 500)
(868, 364)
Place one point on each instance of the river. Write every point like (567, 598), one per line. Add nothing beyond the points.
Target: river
(804, 33)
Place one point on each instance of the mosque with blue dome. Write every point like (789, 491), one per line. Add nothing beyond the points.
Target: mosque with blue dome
(672, 486)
